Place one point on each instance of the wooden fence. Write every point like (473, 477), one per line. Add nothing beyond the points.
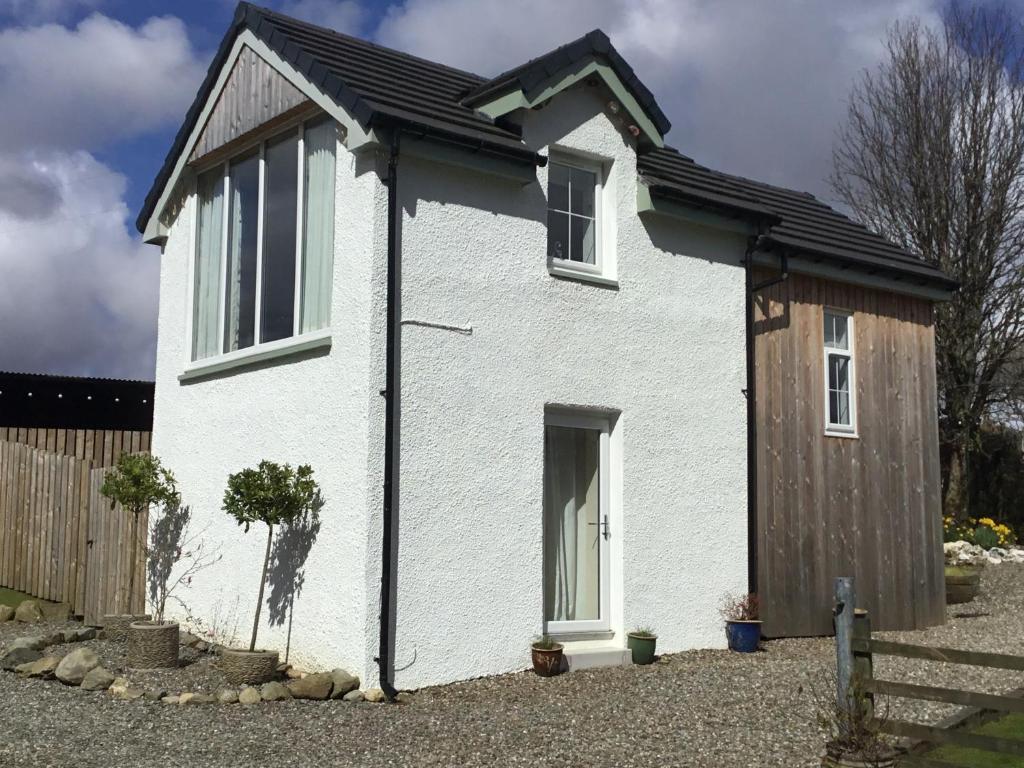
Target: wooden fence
(856, 649)
(59, 538)
(100, 446)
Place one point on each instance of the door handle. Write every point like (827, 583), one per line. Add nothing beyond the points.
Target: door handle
(605, 532)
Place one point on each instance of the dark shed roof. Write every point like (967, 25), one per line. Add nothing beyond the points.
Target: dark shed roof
(35, 400)
(380, 86)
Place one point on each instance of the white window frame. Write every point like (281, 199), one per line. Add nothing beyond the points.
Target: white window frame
(833, 429)
(601, 424)
(259, 350)
(602, 270)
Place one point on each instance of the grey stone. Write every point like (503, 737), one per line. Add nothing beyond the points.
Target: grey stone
(343, 683)
(119, 685)
(249, 696)
(74, 667)
(23, 669)
(129, 693)
(55, 611)
(154, 694)
(33, 643)
(44, 668)
(317, 686)
(14, 658)
(97, 679)
(202, 698)
(6, 613)
(374, 695)
(169, 699)
(353, 696)
(403, 697)
(274, 691)
(79, 635)
(29, 612)
(227, 696)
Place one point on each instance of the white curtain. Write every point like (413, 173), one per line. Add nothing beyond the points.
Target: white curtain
(232, 308)
(318, 228)
(571, 530)
(206, 298)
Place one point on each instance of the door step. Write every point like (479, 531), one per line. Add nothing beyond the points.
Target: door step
(587, 655)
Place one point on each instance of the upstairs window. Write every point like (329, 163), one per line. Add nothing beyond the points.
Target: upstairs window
(840, 406)
(265, 243)
(576, 221)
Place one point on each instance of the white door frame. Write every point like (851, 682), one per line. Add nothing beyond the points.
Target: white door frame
(601, 424)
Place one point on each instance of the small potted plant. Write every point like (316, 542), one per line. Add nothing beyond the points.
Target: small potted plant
(641, 643)
(547, 656)
(271, 494)
(137, 481)
(854, 737)
(963, 583)
(742, 622)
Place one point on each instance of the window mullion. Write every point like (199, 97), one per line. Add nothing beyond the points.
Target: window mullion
(299, 231)
(225, 221)
(260, 198)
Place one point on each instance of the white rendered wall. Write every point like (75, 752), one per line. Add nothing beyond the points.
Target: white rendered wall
(666, 349)
(310, 408)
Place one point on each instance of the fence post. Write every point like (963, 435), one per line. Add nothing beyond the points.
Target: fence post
(863, 664)
(843, 612)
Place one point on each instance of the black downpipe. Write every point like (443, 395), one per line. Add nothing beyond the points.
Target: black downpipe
(384, 661)
(758, 243)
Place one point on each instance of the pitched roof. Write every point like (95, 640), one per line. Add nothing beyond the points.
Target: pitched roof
(379, 86)
(798, 220)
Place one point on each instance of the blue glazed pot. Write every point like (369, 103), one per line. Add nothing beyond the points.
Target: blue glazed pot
(743, 636)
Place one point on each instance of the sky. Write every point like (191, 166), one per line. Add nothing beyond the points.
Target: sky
(94, 91)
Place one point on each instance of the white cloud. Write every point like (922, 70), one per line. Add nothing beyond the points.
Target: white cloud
(79, 293)
(89, 86)
(751, 87)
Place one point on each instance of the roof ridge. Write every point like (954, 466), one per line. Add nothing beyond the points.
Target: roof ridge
(36, 375)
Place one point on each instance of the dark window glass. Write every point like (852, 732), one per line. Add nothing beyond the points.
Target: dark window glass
(240, 291)
(558, 235)
(279, 217)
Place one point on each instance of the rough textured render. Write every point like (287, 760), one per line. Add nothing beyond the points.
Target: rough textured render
(665, 349)
(300, 409)
(253, 94)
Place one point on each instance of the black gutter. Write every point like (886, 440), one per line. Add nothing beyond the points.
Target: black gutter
(760, 242)
(387, 554)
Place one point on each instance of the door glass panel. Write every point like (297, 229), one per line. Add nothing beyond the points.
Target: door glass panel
(572, 545)
(279, 235)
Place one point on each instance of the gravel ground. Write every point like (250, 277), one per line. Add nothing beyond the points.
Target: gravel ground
(706, 709)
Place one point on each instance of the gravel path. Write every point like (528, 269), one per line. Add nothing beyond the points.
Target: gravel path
(706, 709)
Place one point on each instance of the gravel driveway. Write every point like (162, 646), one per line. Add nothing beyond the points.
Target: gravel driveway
(707, 709)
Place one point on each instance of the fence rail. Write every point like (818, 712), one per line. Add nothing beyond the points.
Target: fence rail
(59, 538)
(100, 446)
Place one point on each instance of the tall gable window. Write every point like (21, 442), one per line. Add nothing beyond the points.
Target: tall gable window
(265, 243)
(840, 405)
(576, 199)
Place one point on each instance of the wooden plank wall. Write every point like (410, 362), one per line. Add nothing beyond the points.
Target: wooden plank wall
(869, 506)
(254, 94)
(100, 446)
(59, 539)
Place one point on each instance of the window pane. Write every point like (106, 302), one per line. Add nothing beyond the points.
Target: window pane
(318, 227)
(582, 246)
(582, 190)
(838, 372)
(836, 331)
(558, 187)
(558, 235)
(206, 296)
(279, 222)
(844, 408)
(240, 296)
(572, 564)
(833, 407)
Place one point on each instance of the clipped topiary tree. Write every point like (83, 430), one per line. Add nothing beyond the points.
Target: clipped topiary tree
(136, 482)
(271, 494)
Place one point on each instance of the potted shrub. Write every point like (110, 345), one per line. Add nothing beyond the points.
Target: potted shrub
(137, 481)
(271, 494)
(854, 738)
(963, 584)
(641, 643)
(173, 557)
(742, 622)
(547, 656)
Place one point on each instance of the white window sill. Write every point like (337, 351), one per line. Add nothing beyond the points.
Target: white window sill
(252, 355)
(851, 434)
(573, 271)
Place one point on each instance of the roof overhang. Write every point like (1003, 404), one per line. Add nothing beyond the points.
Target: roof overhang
(655, 196)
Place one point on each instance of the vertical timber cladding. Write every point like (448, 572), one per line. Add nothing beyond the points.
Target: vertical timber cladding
(868, 506)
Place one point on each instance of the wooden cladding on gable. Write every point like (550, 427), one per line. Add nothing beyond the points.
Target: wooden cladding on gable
(865, 506)
(254, 94)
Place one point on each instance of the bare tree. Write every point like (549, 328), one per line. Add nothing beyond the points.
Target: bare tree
(932, 156)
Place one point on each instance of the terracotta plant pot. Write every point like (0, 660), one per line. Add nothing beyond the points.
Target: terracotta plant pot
(248, 667)
(115, 625)
(547, 662)
(962, 584)
(152, 645)
(642, 647)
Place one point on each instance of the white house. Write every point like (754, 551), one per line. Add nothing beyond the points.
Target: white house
(508, 297)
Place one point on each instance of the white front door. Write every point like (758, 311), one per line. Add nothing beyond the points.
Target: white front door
(575, 523)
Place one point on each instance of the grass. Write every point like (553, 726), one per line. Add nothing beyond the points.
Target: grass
(1008, 727)
(12, 598)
